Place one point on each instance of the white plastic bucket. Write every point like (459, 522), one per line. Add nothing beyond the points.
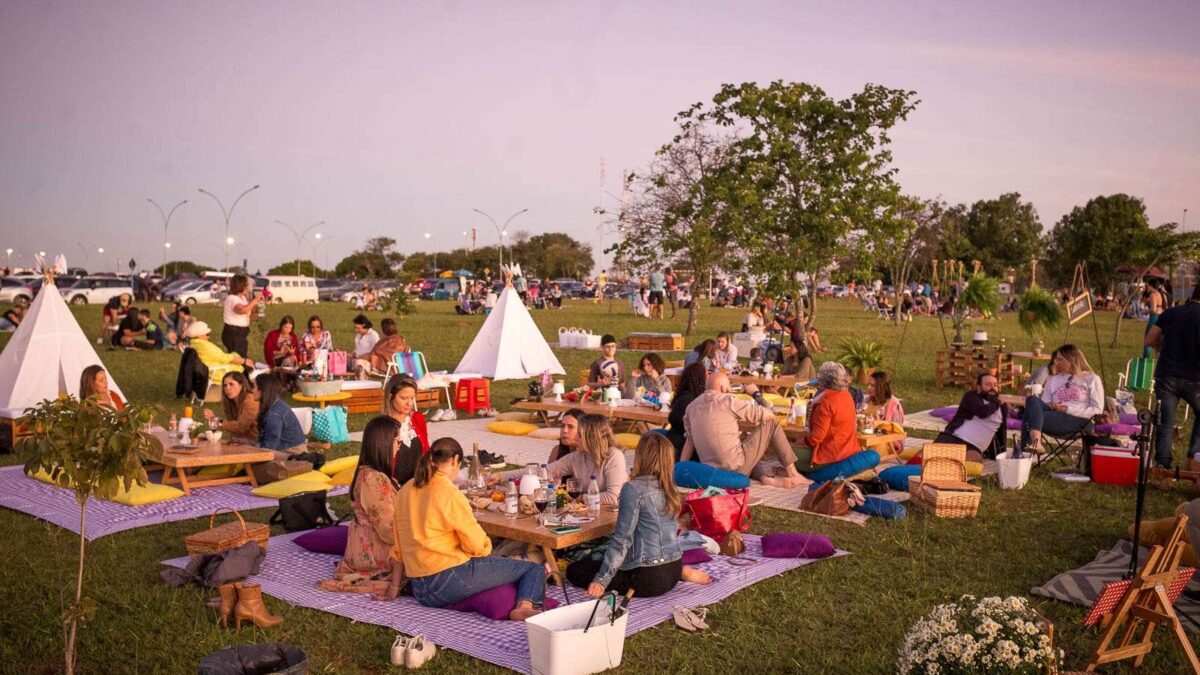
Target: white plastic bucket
(558, 645)
(1014, 473)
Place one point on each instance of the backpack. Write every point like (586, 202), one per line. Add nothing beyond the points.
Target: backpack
(303, 511)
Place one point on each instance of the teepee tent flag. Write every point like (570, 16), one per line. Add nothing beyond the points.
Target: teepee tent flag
(509, 345)
(45, 356)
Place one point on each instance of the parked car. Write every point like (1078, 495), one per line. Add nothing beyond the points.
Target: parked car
(15, 290)
(199, 293)
(441, 289)
(333, 289)
(89, 290)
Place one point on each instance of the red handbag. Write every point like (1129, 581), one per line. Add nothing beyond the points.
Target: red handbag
(718, 515)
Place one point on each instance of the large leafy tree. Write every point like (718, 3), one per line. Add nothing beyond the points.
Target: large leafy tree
(378, 259)
(304, 266)
(904, 239)
(812, 170)
(1107, 232)
(180, 267)
(551, 255)
(1002, 232)
(683, 209)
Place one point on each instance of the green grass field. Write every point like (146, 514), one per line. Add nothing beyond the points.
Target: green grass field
(843, 616)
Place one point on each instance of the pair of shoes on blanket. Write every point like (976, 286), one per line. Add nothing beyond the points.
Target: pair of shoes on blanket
(412, 652)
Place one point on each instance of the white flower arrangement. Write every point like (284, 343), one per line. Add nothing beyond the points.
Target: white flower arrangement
(992, 635)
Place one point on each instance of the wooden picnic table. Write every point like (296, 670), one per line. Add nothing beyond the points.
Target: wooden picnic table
(636, 415)
(779, 381)
(219, 453)
(526, 529)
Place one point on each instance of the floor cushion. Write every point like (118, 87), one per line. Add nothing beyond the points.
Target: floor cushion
(897, 476)
(292, 486)
(220, 471)
(494, 603)
(324, 540)
(910, 452)
(696, 556)
(149, 493)
(313, 476)
(544, 433)
(44, 476)
(796, 545)
(628, 441)
(512, 428)
(946, 413)
(333, 467)
(514, 416)
(344, 477)
(699, 475)
(859, 461)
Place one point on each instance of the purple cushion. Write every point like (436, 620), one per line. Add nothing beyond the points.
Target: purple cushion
(494, 603)
(1118, 429)
(1130, 418)
(695, 556)
(796, 545)
(1013, 424)
(324, 540)
(944, 413)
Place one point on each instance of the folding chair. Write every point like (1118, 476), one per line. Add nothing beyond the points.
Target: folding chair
(1139, 377)
(413, 364)
(1059, 447)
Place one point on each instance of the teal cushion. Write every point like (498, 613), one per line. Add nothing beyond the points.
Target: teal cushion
(697, 475)
(850, 466)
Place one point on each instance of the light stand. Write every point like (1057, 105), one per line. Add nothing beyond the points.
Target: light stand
(1149, 421)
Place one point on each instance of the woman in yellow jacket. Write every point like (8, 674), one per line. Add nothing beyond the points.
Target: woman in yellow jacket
(443, 548)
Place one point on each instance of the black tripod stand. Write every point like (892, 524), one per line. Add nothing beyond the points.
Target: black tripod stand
(1149, 422)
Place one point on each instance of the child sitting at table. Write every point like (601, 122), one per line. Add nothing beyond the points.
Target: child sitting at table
(643, 553)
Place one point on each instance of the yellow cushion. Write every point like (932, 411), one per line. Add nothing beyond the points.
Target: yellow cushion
(335, 466)
(44, 476)
(974, 469)
(775, 399)
(289, 487)
(511, 428)
(628, 441)
(910, 452)
(514, 416)
(344, 477)
(220, 471)
(544, 433)
(146, 494)
(313, 477)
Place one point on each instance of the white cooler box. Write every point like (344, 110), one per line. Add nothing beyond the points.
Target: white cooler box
(747, 341)
(558, 645)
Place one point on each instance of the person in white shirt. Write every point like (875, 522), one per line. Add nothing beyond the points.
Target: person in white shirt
(727, 353)
(365, 337)
(235, 312)
(1071, 397)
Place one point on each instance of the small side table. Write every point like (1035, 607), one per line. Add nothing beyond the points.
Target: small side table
(322, 400)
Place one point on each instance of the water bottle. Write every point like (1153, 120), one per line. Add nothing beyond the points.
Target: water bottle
(511, 501)
(173, 423)
(792, 413)
(551, 499)
(593, 496)
(544, 475)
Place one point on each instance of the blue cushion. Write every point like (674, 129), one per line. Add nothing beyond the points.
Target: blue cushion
(696, 475)
(897, 476)
(882, 507)
(854, 464)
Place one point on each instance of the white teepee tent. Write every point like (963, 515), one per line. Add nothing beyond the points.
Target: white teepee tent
(509, 345)
(45, 356)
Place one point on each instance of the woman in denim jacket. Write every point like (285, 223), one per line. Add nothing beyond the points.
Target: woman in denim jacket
(644, 552)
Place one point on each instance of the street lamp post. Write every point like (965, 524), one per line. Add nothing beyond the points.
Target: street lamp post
(228, 216)
(429, 238)
(300, 240)
(500, 231)
(166, 216)
(321, 239)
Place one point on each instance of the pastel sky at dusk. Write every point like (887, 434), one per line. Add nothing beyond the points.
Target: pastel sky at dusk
(397, 119)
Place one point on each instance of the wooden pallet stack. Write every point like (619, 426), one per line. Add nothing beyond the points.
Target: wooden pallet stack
(960, 367)
(654, 342)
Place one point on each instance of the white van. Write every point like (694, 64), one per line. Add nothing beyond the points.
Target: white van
(293, 289)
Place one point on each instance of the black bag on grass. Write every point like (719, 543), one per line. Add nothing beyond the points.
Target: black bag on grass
(303, 511)
(256, 659)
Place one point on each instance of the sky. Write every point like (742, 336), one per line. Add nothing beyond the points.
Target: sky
(400, 118)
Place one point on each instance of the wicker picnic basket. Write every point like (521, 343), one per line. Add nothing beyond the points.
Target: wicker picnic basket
(227, 536)
(942, 487)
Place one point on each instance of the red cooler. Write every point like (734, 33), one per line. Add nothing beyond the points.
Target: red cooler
(1114, 466)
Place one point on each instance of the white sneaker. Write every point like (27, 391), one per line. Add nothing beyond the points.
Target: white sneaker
(438, 416)
(419, 652)
(450, 415)
(399, 649)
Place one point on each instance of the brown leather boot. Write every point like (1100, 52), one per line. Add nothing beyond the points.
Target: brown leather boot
(251, 608)
(228, 600)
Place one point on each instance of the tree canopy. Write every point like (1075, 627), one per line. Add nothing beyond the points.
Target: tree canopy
(1002, 232)
(378, 259)
(305, 267)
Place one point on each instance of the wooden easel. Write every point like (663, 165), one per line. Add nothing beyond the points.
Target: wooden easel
(1146, 601)
(1079, 305)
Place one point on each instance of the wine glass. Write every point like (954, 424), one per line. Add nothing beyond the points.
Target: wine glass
(573, 490)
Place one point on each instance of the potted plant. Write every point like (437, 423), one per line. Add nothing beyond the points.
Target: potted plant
(1037, 313)
(96, 451)
(860, 356)
(981, 296)
(992, 635)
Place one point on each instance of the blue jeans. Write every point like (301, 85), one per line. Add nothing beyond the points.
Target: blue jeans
(1039, 417)
(1170, 390)
(478, 575)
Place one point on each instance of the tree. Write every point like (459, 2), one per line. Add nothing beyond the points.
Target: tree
(304, 266)
(811, 170)
(904, 237)
(180, 267)
(95, 450)
(1108, 232)
(1003, 232)
(375, 260)
(553, 255)
(681, 209)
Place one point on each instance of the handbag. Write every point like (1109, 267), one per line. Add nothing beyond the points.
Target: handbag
(337, 363)
(733, 544)
(717, 515)
(303, 511)
(329, 425)
(833, 498)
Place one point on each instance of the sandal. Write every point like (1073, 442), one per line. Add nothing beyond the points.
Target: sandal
(691, 619)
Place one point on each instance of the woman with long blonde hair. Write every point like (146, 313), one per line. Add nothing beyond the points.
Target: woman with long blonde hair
(1071, 397)
(599, 455)
(643, 553)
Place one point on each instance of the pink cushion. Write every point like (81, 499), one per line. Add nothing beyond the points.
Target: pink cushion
(695, 556)
(796, 545)
(324, 540)
(494, 603)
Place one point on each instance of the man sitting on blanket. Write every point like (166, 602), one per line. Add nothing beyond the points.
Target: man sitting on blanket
(979, 421)
(711, 424)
